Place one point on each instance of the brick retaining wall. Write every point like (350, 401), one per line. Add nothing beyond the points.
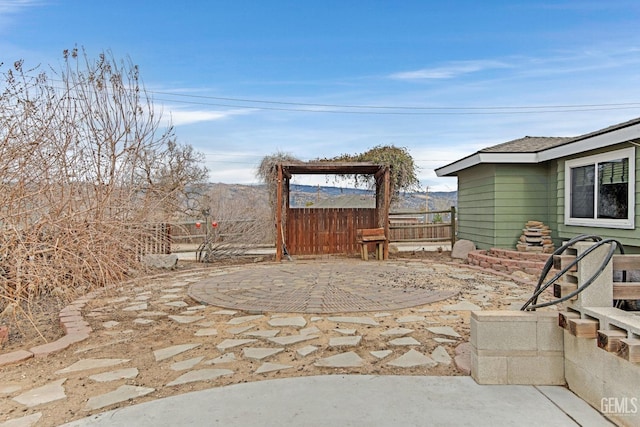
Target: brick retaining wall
(508, 261)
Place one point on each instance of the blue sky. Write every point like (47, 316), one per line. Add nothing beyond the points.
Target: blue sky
(245, 79)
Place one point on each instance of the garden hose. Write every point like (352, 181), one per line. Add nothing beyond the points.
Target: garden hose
(532, 303)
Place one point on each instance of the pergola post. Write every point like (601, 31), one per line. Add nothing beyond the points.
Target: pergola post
(279, 226)
(383, 203)
(386, 208)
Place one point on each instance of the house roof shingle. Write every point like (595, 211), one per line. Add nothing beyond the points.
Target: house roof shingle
(528, 144)
(534, 144)
(533, 149)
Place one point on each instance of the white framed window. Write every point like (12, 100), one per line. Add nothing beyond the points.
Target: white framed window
(600, 190)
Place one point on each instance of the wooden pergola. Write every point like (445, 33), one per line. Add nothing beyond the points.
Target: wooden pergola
(342, 222)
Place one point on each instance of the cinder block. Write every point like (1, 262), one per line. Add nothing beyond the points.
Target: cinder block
(504, 316)
(507, 353)
(549, 334)
(600, 292)
(473, 331)
(538, 370)
(489, 370)
(606, 314)
(628, 321)
(584, 352)
(504, 330)
(583, 383)
(621, 381)
(621, 375)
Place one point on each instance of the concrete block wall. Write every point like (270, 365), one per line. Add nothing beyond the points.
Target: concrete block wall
(531, 348)
(515, 347)
(604, 380)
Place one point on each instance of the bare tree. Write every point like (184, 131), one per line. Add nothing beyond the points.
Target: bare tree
(83, 162)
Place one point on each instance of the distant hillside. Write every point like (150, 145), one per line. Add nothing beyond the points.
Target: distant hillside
(327, 196)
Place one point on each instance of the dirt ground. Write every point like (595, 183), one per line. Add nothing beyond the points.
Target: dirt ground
(136, 343)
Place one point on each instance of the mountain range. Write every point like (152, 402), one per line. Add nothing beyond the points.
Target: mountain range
(329, 196)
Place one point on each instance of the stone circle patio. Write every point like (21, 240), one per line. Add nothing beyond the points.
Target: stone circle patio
(334, 286)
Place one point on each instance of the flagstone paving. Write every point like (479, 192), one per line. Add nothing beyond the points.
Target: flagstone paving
(44, 394)
(271, 367)
(440, 355)
(405, 341)
(413, 358)
(342, 360)
(260, 353)
(198, 346)
(350, 341)
(121, 394)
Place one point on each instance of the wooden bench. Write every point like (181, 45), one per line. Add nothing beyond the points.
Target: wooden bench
(371, 235)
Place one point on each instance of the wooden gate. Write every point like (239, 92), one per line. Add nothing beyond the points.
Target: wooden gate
(152, 238)
(315, 231)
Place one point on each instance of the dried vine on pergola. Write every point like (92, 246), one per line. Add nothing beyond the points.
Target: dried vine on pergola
(403, 169)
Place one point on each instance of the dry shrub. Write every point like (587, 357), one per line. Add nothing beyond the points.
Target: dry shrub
(83, 162)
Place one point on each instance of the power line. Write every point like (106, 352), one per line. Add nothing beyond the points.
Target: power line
(400, 107)
(354, 109)
(508, 110)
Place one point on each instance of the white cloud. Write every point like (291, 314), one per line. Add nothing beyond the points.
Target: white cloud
(448, 71)
(184, 117)
(12, 7)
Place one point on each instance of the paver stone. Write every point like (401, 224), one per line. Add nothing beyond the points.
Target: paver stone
(115, 375)
(85, 364)
(411, 359)
(444, 330)
(271, 367)
(348, 341)
(121, 394)
(230, 343)
(404, 341)
(45, 394)
(440, 355)
(260, 353)
(296, 322)
(342, 360)
(352, 319)
(165, 353)
(186, 364)
(200, 375)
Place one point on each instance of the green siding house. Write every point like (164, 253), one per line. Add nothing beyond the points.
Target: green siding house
(578, 185)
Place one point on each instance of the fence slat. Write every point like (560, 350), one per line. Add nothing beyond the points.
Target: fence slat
(412, 227)
(326, 230)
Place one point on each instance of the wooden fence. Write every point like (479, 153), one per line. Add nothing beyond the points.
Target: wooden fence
(423, 226)
(152, 238)
(312, 231)
(316, 231)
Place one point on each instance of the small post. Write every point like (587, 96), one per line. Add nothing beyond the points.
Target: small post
(453, 226)
(279, 226)
(600, 292)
